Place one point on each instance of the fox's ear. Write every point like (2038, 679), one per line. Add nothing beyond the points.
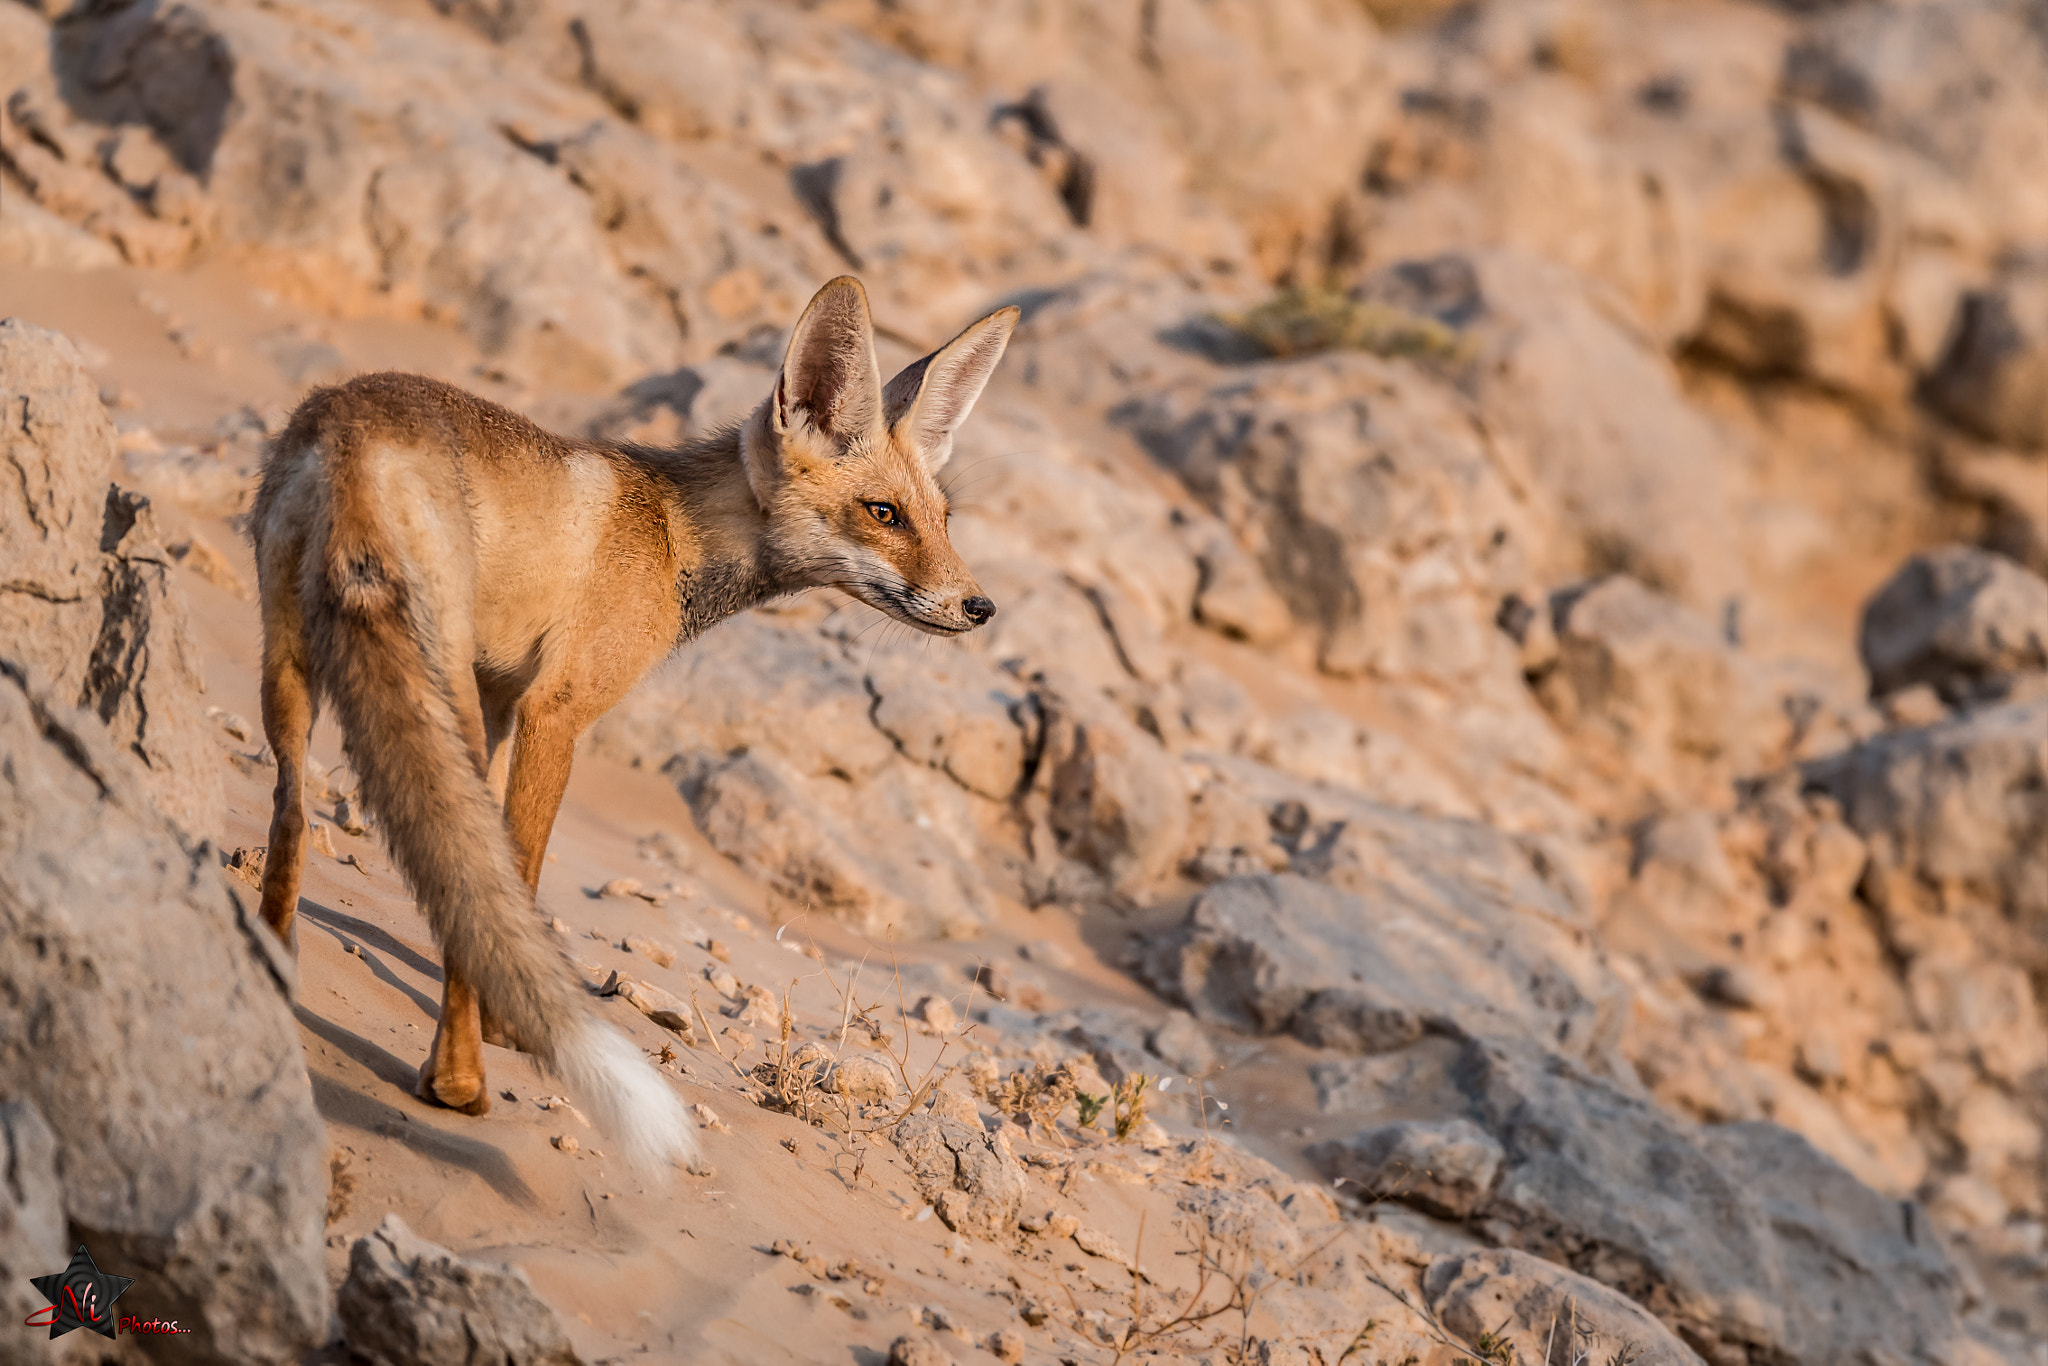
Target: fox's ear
(829, 378)
(926, 403)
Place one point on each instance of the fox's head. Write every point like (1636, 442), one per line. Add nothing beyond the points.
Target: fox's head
(847, 468)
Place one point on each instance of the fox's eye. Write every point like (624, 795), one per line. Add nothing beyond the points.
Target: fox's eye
(885, 513)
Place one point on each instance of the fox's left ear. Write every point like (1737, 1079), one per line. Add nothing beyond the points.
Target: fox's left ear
(927, 402)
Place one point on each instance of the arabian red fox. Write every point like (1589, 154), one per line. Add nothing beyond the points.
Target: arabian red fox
(450, 577)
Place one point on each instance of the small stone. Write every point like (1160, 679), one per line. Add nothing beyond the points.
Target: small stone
(741, 1040)
(865, 1080)
(1734, 986)
(1006, 1345)
(565, 1143)
(1046, 952)
(1062, 1226)
(559, 925)
(620, 887)
(1912, 707)
(351, 821)
(247, 864)
(722, 982)
(717, 949)
(663, 1007)
(757, 1006)
(653, 949)
(232, 724)
(1033, 1312)
(937, 1319)
(937, 1013)
(1012, 985)
(917, 1350)
(707, 1118)
(318, 837)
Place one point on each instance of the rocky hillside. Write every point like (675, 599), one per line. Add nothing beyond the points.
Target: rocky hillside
(1521, 686)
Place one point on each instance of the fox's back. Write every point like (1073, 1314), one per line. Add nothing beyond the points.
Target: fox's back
(518, 530)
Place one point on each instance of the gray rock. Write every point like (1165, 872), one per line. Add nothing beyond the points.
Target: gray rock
(1963, 620)
(1743, 1238)
(1539, 1307)
(972, 1180)
(32, 1234)
(1993, 377)
(1349, 478)
(86, 598)
(915, 1349)
(1414, 924)
(1955, 816)
(1446, 1167)
(1656, 681)
(144, 1014)
(1116, 801)
(409, 1302)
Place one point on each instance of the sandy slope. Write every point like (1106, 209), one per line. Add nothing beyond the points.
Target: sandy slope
(677, 1271)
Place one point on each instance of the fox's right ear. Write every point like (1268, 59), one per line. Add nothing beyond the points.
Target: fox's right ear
(926, 403)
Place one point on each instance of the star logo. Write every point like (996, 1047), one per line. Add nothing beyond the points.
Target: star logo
(81, 1296)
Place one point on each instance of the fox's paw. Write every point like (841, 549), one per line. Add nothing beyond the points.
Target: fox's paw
(455, 1092)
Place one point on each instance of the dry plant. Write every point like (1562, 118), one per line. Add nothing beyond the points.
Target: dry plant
(1230, 1280)
(1036, 1096)
(1130, 1105)
(793, 1078)
(1299, 322)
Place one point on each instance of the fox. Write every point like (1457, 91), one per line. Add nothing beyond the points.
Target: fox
(470, 592)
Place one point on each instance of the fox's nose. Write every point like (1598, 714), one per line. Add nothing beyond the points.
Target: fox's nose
(978, 609)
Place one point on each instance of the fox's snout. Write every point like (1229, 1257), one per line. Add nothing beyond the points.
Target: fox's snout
(977, 609)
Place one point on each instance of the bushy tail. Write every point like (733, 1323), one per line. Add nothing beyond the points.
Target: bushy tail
(372, 639)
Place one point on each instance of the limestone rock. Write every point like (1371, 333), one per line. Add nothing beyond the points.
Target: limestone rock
(1993, 378)
(87, 601)
(1676, 701)
(409, 1302)
(1538, 1306)
(146, 1020)
(1415, 925)
(1445, 1168)
(973, 1181)
(1963, 620)
(1741, 1237)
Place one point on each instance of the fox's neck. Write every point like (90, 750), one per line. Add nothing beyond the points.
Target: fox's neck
(727, 563)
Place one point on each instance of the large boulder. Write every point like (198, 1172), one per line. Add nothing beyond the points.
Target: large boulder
(144, 1017)
(87, 605)
(794, 747)
(1377, 503)
(1964, 621)
(1406, 924)
(1743, 1239)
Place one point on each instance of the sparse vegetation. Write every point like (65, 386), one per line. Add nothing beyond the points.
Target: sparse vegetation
(1303, 321)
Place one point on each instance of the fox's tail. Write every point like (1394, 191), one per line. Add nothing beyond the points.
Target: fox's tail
(373, 640)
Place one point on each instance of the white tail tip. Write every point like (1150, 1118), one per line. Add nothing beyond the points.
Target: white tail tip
(628, 1098)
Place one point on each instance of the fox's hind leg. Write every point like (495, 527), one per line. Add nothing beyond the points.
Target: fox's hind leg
(288, 711)
(453, 1074)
